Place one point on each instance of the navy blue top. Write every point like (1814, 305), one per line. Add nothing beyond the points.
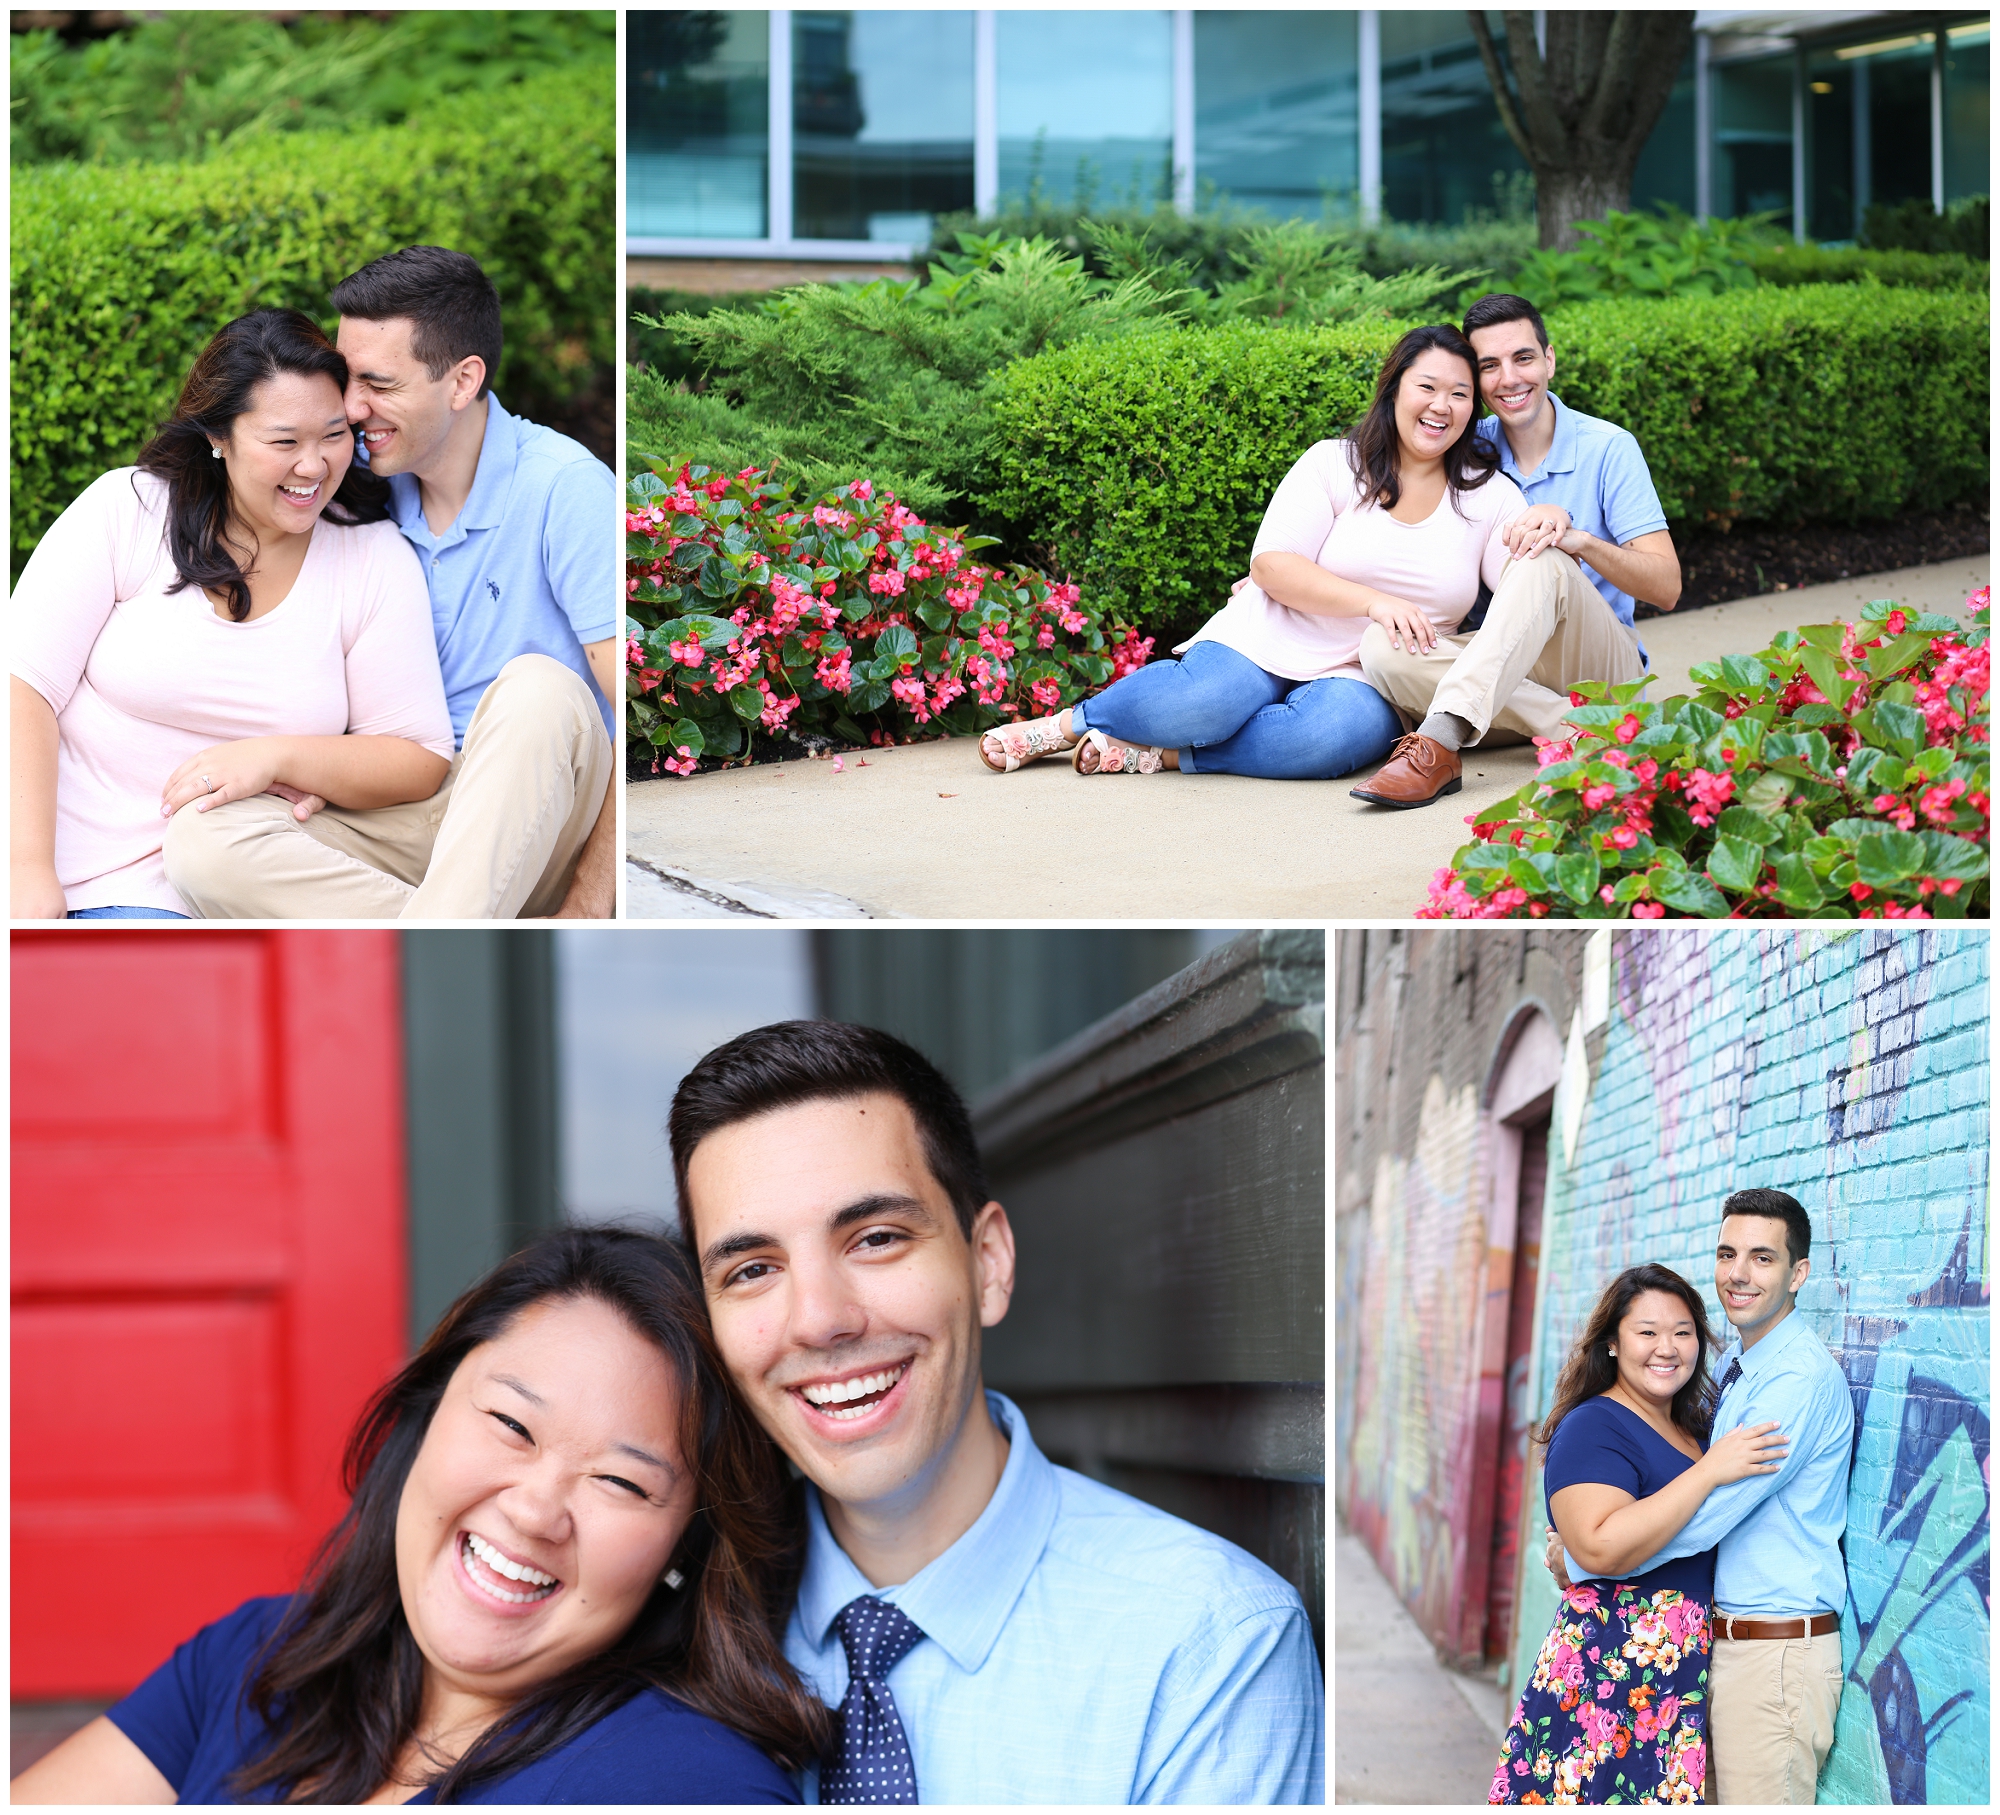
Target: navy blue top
(1610, 1444)
(188, 1717)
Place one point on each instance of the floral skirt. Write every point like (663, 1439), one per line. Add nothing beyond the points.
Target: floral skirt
(1617, 1710)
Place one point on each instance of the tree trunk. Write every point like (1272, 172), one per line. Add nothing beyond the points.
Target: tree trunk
(1580, 111)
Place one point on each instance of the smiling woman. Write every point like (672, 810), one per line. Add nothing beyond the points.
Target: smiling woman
(235, 614)
(561, 1579)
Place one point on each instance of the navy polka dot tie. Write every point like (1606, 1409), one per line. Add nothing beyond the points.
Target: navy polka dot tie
(871, 1761)
(1729, 1379)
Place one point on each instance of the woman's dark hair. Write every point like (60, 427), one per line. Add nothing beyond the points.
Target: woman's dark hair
(791, 1062)
(1591, 1369)
(242, 356)
(341, 1682)
(1375, 450)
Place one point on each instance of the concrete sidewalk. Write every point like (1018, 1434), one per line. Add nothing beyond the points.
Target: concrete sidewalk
(927, 832)
(1405, 1729)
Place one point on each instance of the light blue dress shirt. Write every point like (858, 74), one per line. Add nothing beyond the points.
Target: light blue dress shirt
(528, 567)
(1778, 1536)
(1081, 1646)
(1594, 470)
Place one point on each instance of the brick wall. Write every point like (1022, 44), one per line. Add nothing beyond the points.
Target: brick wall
(1851, 1070)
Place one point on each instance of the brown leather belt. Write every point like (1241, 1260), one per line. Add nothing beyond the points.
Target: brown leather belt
(1728, 1626)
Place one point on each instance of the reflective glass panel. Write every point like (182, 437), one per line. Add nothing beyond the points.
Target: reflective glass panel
(698, 115)
(1086, 108)
(881, 123)
(1665, 171)
(1752, 166)
(1276, 122)
(1896, 84)
(1444, 150)
(1968, 77)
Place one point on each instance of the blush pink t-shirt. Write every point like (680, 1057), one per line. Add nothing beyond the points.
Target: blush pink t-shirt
(1435, 565)
(141, 678)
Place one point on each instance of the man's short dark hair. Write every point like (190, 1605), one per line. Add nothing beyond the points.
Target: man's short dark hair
(1498, 307)
(1780, 1205)
(793, 1062)
(450, 299)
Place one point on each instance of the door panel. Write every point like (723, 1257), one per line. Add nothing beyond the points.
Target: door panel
(208, 1274)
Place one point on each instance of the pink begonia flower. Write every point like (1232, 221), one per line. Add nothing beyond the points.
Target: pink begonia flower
(829, 518)
(834, 671)
(1045, 638)
(1046, 694)
(839, 763)
(863, 489)
(889, 581)
(1598, 795)
(1647, 910)
(681, 763)
(1624, 837)
(1628, 728)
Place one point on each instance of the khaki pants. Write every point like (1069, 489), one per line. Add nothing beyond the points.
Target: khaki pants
(1546, 629)
(500, 839)
(1771, 1707)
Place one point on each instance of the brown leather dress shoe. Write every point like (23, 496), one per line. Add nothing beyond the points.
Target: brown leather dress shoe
(1419, 769)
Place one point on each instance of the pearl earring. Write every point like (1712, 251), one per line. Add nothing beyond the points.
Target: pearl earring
(673, 1578)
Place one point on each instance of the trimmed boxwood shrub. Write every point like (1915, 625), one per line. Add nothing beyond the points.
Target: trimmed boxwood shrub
(1791, 264)
(1142, 466)
(122, 272)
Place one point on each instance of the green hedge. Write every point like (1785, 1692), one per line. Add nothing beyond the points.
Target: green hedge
(1861, 264)
(1142, 466)
(122, 273)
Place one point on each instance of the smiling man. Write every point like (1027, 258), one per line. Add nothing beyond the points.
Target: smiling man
(1775, 1673)
(515, 526)
(1592, 540)
(988, 1627)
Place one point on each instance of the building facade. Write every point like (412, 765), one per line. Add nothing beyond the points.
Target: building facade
(1668, 1069)
(842, 136)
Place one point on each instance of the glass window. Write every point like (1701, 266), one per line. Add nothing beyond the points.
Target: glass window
(881, 122)
(1752, 167)
(698, 115)
(1444, 150)
(1967, 133)
(1276, 121)
(1895, 79)
(1086, 108)
(1665, 171)
(1837, 126)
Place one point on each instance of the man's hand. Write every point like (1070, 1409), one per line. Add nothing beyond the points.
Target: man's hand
(1538, 527)
(304, 806)
(1552, 1558)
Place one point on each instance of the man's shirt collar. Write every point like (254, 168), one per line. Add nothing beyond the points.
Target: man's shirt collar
(962, 1598)
(485, 505)
(1561, 457)
(1754, 1360)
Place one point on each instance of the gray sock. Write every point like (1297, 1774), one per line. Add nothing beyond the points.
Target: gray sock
(1448, 729)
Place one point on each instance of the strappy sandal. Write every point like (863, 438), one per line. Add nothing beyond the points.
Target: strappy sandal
(1114, 758)
(1022, 743)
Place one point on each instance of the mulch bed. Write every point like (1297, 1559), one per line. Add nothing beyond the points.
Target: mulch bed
(1753, 558)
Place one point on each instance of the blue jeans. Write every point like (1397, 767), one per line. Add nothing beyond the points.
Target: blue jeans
(1227, 716)
(124, 913)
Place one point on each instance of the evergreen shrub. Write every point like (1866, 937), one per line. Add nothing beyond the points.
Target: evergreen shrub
(121, 273)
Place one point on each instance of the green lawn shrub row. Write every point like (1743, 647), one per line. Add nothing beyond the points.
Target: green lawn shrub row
(1793, 264)
(122, 273)
(1141, 466)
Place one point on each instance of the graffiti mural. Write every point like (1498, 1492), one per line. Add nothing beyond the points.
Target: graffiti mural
(1849, 1068)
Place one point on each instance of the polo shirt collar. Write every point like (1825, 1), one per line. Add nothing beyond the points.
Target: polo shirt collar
(1561, 457)
(961, 1599)
(492, 480)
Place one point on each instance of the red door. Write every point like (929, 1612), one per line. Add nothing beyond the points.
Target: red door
(208, 1274)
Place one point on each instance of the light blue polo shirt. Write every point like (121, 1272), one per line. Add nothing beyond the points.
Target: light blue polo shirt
(1081, 1646)
(1777, 1537)
(1595, 471)
(528, 567)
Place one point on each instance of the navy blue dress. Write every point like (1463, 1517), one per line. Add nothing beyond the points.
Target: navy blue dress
(1617, 1708)
(188, 1717)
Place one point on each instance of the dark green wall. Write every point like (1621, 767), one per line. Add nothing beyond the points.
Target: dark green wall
(480, 1095)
